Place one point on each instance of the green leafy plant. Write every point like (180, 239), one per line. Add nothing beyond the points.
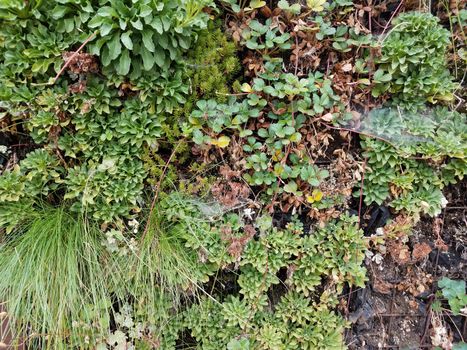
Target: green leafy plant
(258, 321)
(412, 66)
(241, 7)
(211, 66)
(35, 176)
(148, 34)
(265, 38)
(17, 9)
(289, 103)
(454, 292)
(394, 173)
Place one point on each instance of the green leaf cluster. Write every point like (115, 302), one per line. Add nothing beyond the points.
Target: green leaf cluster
(454, 292)
(424, 151)
(255, 318)
(265, 38)
(412, 66)
(145, 36)
(288, 103)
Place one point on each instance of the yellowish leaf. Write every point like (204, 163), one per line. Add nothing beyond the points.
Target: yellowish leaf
(316, 5)
(221, 142)
(315, 196)
(364, 81)
(246, 87)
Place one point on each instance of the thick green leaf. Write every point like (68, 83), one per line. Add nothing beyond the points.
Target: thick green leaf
(137, 24)
(123, 66)
(105, 56)
(148, 41)
(148, 59)
(160, 58)
(105, 28)
(107, 11)
(95, 22)
(59, 11)
(126, 40)
(115, 47)
(157, 25)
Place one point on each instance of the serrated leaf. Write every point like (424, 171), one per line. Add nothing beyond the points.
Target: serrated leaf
(315, 5)
(291, 187)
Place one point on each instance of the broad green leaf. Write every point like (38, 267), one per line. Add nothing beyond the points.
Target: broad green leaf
(126, 40)
(157, 25)
(124, 62)
(95, 22)
(148, 41)
(115, 47)
(105, 28)
(137, 24)
(59, 11)
(145, 10)
(148, 59)
(107, 11)
(159, 56)
(291, 187)
(105, 56)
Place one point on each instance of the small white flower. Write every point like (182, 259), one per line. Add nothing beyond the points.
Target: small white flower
(3, 149)
(248, 212)
(380, 231)
(133, 223)
(444, 202)
(377, 258)
(133, 245)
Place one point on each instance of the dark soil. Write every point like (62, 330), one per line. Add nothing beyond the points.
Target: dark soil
(394, 310)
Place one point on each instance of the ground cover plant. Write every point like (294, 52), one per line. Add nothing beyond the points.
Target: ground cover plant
(232, 174)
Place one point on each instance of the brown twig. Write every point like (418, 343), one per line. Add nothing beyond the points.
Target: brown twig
(360, 202)
(392, 16)
(68, 61)
(296, 54)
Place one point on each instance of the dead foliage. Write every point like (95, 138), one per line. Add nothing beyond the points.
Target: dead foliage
(80, 63)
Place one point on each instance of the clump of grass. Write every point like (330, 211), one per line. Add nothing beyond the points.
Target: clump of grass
(54, 279)
(164, 271)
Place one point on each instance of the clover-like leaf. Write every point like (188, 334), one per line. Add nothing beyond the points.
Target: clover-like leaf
(316, 5)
